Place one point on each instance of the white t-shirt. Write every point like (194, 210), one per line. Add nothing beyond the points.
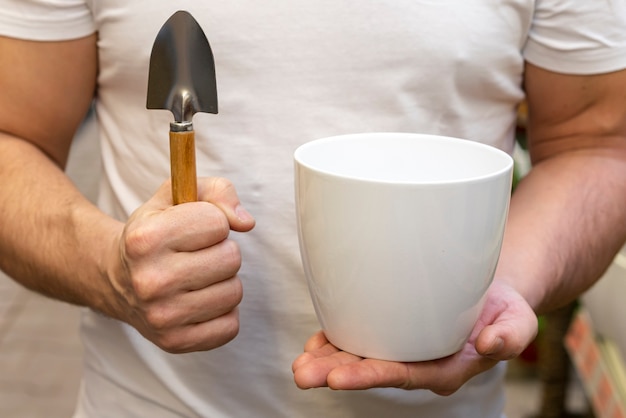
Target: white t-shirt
(289, 72)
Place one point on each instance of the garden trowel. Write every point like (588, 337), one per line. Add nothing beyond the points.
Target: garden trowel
(182, 79)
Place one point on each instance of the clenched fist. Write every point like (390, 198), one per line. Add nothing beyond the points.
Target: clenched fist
(174, 272)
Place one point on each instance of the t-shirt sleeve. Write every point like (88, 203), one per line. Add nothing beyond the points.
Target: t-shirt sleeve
(578, 36)
(45, 20)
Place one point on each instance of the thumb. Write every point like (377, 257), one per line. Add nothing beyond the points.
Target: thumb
(221, 193)
(508, 337)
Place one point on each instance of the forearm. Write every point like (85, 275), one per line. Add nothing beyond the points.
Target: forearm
(52, 239)
(566, 222)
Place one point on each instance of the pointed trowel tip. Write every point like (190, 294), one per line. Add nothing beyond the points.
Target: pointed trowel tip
(181, 76)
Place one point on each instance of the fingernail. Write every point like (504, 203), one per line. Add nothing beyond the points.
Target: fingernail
(242, 214)
(497, 345)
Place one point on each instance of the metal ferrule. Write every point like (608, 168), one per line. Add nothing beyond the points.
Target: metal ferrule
(181, 126)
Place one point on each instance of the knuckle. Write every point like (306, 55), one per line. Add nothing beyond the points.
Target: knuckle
(232, 332)
(147, 286)
(231, 256)
(140, 241)
(218, 223)
(235, 292)
(224, 260)
(170, 343)
(238, 291)
(222, 227)
(221, 185)
(230, 327)
(158, 319)
(222, 331)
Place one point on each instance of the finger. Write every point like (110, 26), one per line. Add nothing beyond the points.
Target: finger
(371, 373)
(162, 198)
(195, 307)
(200, 336)
(317, 346)
(510, 325)
(193, 226)
(182, 273)
(216, 190)
(222, 194)
(443, 376)
(188, 227)
(312, 369)
(155, 228)
(507, 337)
(211, 302)
(318, 340)
(196, 270)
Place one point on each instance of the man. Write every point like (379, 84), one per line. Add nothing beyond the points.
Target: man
(164, 283)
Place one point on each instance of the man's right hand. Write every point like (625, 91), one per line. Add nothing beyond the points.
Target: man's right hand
(174, 271)
(171, 271)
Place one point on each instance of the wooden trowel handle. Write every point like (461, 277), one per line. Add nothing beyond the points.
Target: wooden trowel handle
(183, 162)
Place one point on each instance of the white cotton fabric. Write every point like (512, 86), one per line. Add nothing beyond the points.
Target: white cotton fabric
(578, 36)
(42, 20)
(289, 72)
